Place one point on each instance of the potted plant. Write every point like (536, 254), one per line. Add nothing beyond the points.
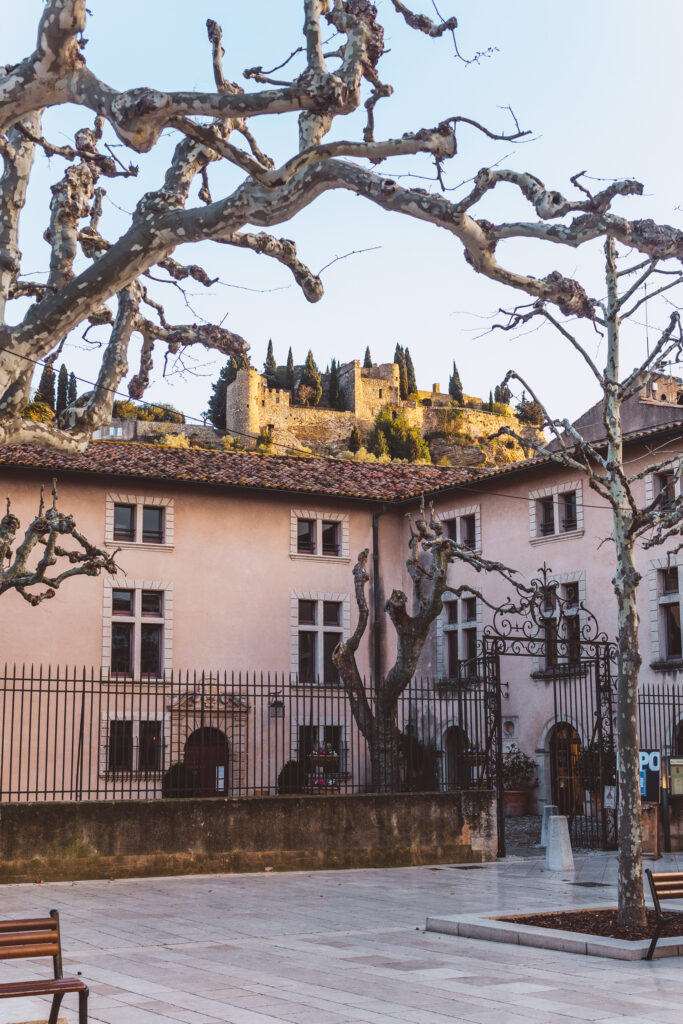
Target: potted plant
(324, 756)
(519, 778)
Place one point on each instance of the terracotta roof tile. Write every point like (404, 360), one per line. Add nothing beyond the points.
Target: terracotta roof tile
(321, 476)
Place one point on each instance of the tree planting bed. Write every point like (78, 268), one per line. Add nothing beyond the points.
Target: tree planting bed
(597, 922)
(591, 931)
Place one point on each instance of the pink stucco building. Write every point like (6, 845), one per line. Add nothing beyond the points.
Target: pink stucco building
(242, 562)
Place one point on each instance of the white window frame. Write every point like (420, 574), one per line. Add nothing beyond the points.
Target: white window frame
(457, 514)
(135, 717)
(319, 628)
(137, 619)
(139, 502)
(579, 577)
(650, 485)
(443, 627)
(555, 493)
(657, 600)
(319, 516)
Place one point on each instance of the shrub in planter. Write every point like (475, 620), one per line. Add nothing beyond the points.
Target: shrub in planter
(178, 781)
(519, 777)
(292, 778)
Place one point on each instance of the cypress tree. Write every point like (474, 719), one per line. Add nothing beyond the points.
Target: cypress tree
(62, 389)
(400, 359)
(335, 395)
(310, 386)
(46, 387)
(490, 401)
(355, 443)
(380, 446)
(410, 373)
(496, 393)
(367, 362)
(454, 386)
(289, 375)
(270, 366)
(403, 378)
(72, 393)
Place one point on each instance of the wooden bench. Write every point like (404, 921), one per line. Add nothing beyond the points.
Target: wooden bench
(667, 886)
(36, 937)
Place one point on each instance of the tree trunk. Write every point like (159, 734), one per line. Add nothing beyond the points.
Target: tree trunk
(631, 898)
(626, 580)
(384, 748)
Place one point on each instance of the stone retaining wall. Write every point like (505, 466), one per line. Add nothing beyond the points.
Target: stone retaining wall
(133, 838)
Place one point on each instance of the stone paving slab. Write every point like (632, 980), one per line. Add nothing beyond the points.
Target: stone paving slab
(336, 948)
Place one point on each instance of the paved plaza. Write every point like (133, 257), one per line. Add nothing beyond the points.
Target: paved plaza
(332, 947)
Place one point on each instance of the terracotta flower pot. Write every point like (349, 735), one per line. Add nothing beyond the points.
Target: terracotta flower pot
(516, 802)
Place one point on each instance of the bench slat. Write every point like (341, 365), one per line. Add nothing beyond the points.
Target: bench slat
(26, 939)
(667, 875)
(29, 924)
(28, 952)
(50, 986)
(677, 894)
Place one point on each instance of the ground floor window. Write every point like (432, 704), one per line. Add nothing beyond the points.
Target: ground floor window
(134, 745)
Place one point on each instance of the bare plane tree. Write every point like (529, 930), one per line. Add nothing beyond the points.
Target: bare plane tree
(36, 579)
(650, 523)
(376, 710)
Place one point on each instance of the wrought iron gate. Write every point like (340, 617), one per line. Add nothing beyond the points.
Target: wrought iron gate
(556, 631)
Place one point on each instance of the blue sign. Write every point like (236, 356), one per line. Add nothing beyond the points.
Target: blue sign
(650, 762)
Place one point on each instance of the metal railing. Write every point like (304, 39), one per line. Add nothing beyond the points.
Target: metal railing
(84, 735)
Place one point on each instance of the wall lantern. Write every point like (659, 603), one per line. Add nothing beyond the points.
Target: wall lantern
(277, 707)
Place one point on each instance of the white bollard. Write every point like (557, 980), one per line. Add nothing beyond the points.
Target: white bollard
(558, 854)
(548, 811)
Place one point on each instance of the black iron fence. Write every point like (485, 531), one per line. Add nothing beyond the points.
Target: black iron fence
(660, 720)
(84, 735)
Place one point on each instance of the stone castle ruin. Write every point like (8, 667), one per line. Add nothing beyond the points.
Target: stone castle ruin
(458, 434)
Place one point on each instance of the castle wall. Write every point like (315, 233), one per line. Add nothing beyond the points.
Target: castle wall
(459, 435)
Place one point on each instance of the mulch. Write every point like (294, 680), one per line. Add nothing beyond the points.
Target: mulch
(597, 922)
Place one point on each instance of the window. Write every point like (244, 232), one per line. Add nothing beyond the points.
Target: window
(555, 512)
(463, 527)
(460, 635)
(316, 737)
(134, 746)
(137, 620)
(152, 525)
(122, 602)
(331, 533)
(664, 486)
(122, 648)
(319, 535)
(562, 622)
(132, 519)
(568, 506)
(546, 516)
(124, 522)
(319, 632)
(468, 531)
(670, 613)
(305, 543)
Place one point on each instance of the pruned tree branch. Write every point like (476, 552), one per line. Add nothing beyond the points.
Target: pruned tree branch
(38, 580)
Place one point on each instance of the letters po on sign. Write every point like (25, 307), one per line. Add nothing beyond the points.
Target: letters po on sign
(650, 762)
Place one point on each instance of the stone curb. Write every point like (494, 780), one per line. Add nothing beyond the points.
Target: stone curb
(479, 926)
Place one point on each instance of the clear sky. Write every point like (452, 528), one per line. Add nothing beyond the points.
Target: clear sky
(598, 84)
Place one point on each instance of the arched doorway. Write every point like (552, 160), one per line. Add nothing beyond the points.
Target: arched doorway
(458, 761)
(207, 753)
(565, 749)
